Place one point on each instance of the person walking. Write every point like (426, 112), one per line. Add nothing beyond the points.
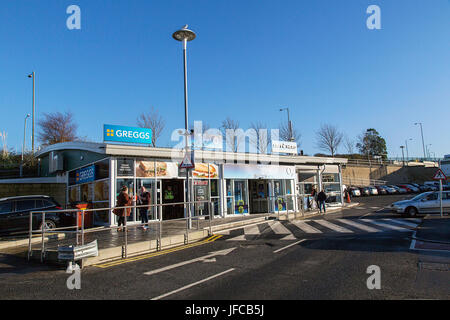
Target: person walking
(314, 196)
(144, 199)
(321, 198)
(123, 200)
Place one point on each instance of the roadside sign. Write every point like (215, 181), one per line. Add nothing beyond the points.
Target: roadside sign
(439, 175)
(187, 162)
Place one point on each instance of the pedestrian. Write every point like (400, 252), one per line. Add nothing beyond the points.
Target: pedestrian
(314, 196)
(123, 200)
(321, 198)
(144, 199)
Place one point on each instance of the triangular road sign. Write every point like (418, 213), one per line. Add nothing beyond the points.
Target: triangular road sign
(187, 162)
(439, 175)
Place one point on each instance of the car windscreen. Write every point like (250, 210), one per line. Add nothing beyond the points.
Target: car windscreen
(5, 207)
(420, 196)
(24, 205)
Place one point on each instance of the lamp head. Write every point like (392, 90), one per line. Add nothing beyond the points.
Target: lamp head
(184, 33)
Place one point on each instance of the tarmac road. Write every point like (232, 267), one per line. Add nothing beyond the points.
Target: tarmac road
(273, 260)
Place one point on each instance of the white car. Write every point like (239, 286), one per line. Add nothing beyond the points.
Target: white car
(427, 202)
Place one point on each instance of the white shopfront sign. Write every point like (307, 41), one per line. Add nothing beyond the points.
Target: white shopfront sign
(284, 147)
(237, 171)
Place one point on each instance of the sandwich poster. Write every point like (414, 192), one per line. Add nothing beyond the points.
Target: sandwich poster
(205, 171)
(147, 169)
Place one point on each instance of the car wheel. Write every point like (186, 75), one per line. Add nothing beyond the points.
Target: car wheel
(411, 211)
(49, 224)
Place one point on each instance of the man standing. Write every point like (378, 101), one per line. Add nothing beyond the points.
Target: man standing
(321, 198)
(144, 199)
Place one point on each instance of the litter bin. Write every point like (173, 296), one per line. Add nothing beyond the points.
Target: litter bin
(88, 215)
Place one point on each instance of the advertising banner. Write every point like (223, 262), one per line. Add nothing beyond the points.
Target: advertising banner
(146, 169)
(85, 174)
(237, 171)
(284, 147)
(205, 171)
(115, 133)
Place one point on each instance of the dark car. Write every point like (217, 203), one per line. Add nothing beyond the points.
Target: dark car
(15, 213)
(381, 190)
(365, 191)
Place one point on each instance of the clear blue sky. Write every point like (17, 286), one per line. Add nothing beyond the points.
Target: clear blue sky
(250, 57)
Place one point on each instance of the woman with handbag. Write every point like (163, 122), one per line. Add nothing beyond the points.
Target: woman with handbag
(123, 200)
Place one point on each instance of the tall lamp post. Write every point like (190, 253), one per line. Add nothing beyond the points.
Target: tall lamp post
(423, 143)
(291, 138)
(184, 35)
(24, 142)
(33, 75)
(407, 153)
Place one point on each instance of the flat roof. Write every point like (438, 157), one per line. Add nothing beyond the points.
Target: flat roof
(123, 150)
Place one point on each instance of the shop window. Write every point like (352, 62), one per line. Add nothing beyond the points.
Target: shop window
(240, 197)
(125, 167)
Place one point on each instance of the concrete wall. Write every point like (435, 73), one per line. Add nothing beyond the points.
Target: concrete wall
(392, 174)
(55, 190)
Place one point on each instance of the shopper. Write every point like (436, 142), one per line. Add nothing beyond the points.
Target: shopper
(321, 198)
(314, 196)
(123, 200)
(144, 199)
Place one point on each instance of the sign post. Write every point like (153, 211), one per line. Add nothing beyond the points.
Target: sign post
(188, 163)
(440, 176)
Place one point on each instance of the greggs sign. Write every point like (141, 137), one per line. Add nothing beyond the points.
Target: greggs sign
(126, 134)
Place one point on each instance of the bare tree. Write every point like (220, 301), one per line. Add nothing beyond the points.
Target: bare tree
(153, 121)
(285, 135)
(228, 129)
(329, 138)
(349, 145)
(262, 137)
(57, 127)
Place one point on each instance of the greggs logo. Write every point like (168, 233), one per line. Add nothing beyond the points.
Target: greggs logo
(127, 134)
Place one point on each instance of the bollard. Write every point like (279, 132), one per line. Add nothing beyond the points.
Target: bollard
(30, 235)
(210, 218)
(82, 227)
(43, 232)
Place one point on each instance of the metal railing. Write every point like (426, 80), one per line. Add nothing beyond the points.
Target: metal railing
(80, 232)
(350, 181)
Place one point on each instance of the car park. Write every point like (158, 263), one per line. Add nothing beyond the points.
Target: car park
(389, 190)
(365, 191)
(355, 192)
(427, 202)
(373, 191)
(15, 214)
(381, 190)
(400, 190)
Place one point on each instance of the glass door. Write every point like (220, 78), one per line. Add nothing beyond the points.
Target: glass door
(149, 185)
(240, 197)
(131, 193)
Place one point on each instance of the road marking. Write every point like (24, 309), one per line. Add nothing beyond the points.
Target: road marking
(288, 246)
(252, 230)
(385, 225)
(278, 228)
(204, 258)
(238, 238)
(412, 225)
(289, 237)
(358, 225)
(332, 226)
(192, 284)
(365, 215)
(227, 231)
(155, 254)
(306, 227)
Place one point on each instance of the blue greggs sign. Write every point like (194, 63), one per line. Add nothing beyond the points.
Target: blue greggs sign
(85, 174)
(126, 134)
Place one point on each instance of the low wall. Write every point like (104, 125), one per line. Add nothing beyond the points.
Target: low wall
(55, 190)
(392, 174)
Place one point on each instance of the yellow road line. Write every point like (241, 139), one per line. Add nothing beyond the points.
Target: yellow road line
(155, 254)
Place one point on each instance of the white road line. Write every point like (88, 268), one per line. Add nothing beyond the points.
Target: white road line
(306, 227)
(414, 220)
(374, 208)
(406, 223)
(227, 231)
(238, 238)
(385, 225)
(278, 228)
(252, 230)
(365, 215)
(288, 246)
(332, 226)
(192, 284)
(358, 225)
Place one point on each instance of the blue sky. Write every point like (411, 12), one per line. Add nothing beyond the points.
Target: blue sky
(250, 57)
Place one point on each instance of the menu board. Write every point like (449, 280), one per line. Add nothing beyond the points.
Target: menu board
(125, 167)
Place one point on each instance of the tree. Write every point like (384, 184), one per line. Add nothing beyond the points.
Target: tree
(153, 121)
(329, 138)
(261, 139)
(285, 134)
(349, 145)
(372, 144)
(57, 127)
(228, 129)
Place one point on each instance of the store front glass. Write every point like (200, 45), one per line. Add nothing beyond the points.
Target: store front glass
(332, 187)
(240, 197)
(307, 181)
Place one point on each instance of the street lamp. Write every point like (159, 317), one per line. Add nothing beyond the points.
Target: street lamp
(291, 137)
(33, 75)
(24, 134)
(403, 155)
(407, 153)
(184, 35)
(423, 143)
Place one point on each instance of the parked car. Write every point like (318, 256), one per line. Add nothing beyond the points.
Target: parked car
(407, 188)
(381, 190)
(399, 189)
(389, 190)
(355, 192)
(421, 187)
(413, 188)
(373, 191)
(15, 214)
(427, 202)
(364, 191)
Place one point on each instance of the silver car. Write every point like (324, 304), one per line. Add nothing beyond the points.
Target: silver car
(427, 202)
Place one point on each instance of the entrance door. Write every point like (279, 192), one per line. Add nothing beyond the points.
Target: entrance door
(259, 196)
(150, 187)
(172, 192)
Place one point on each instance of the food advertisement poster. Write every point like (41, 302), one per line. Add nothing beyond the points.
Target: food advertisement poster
(205, 171)
(146, 169)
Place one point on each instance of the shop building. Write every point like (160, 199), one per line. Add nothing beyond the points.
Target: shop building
(235, 183)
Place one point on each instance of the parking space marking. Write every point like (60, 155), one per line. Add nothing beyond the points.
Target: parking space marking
(192, 284)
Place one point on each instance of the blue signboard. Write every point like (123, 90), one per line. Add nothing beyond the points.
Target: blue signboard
(126, 134)
(85, 174)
